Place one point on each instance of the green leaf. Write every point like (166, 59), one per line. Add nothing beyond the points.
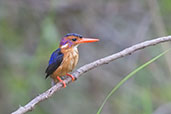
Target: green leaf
(127, 77)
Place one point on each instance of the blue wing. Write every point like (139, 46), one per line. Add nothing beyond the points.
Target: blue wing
(54, 62)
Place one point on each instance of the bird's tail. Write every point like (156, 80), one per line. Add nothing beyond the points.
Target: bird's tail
(53, 82)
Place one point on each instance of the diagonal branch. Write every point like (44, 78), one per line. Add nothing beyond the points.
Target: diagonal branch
(30, 106)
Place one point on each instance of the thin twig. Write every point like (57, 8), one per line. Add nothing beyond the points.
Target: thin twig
(30, 106)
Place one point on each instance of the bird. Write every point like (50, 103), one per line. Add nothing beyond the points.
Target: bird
(64, 59)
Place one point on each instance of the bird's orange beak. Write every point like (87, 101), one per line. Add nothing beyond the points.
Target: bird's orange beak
(87, 40)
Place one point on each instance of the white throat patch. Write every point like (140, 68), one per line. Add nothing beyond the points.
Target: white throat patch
(75, 53)
(76, 47)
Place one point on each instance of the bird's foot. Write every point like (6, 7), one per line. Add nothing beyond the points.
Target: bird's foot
(72, 77)
(60, 80)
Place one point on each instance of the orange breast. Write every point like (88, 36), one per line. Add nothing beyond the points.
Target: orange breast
(69, 62)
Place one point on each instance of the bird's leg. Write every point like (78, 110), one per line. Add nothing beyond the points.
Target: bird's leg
(60, 80)
(72, 77)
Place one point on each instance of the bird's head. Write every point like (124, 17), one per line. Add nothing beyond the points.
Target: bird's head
(72, 40)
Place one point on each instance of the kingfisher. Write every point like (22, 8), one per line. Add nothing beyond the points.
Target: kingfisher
(65, 58)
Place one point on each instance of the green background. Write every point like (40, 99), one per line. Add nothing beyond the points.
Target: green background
(30, 30)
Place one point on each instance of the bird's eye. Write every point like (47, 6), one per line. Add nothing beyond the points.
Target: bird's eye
(74, 39)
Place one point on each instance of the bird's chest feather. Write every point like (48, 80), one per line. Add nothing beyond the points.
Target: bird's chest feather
(69, 62)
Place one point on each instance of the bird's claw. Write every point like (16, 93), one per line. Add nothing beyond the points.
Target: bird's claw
(60, 80)
(72, 77)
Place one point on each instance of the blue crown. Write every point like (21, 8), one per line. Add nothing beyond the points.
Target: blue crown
(73, 34)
